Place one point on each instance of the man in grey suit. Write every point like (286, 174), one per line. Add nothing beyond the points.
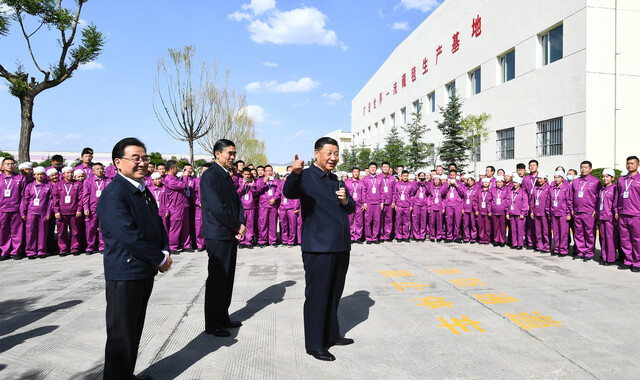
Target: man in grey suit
(222, 226)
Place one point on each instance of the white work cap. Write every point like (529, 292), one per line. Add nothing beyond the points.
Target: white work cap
(510, 174)
(517, 179)
(499, 178)
(39, 169)
(66, 168)
(412, 176)
(609, 171)
(52, 171)
(156, 175)
(486, 180)
(77, 171)
(543, 175)
(25, 165)
(444, 177)
(559, 172)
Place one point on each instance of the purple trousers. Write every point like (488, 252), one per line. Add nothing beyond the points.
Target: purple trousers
(250, 219)
(288, 226)
(68, 224)
(165, 222)
(454, 221)
(530, 231)
(419, 222)
(267, 225)
(560, 227)
(93, 233)
(517, 230)
(179, 229)
(499, 223)
(372, 222)
(300, 227)
(630, 239)
(386, 221)
(585, 234)
(356, 224)
(198, 222)
(608, 240)
(37, 229)
(469, 230)
(436, 225)
(484, 229)
(403, 223)
(11, 233)
(542, 233)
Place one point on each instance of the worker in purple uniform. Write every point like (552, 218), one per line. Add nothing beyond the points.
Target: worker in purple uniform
(499, 209)
(355, 187)
(372, 204)
(482, 209)
(248, 197)
(468, 193)
(420, 211)
(57, 163)
(386, 209)
(628, 214)
(608, 232)
(560, 206)
(11, 223)
(87, 162)
(92, 190)
(529, 184)
(539, 206)
(288, 214)
(36, 209)
(26, 170)
(518, 212)
(268, 202)
(197, 205)
(586, 190)
(179, 222)
(403, 192)
(159, 192)
(436, 213)
(67, 208)
(453, 207)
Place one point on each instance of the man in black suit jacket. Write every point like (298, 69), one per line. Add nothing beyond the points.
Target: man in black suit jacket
(135, 248)
(326, 245)
(222, 227)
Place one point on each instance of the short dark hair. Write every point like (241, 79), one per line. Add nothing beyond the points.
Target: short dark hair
(493, 169)
(246, 170)
(118, 149)
(572, 170)
(405, 172)
(221, 144)
(97, 164)
(521, 166)
(532, 161)
(171, 164)
(8, 159)
(354, 168)
(385, 163)
(207, 165)
(260, 166)
(161, 164)
(400, 166)
(289, 166)
(373, 163)
(322, 141)
(268, 166)
(187, 164)
(452, 164)
(586, 163)
(453, 171)
(472, 178)
(439, 166)
(87, 151)
(633, 158)
(239, 161)
(57, 157)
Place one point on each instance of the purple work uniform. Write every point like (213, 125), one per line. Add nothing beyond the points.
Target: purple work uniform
(386, 213)
(160, 195)
(92, 189)
(87, 170)
(248, 197)
(191, 195)
(560, 206)
(609, 237)
(372, 200)
(197, 214)
(402, 194)
(499, 208)
(179, 223)
(586, 191)
(11, 223)
(529, 184)
(518, 215)
(453, 211)
(539, 206)
(37, 208)
(436, 225)
(628, 211)
(420, 212)
(469, 230)
(482, 205)
(111, 171)
(67, 202)
(356, 220)
(288, 213)
(267, 213)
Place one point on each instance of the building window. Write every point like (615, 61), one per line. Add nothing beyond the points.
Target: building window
(404, 115)
(431, 159)
(551, 43)
(382, 126)
(505, 144)
(475, 141)
(432, 101)
(393, 120)
(508, 66)
(451, 89)
(549, 137)
(416, 106)
(475, 79)
(375, 130)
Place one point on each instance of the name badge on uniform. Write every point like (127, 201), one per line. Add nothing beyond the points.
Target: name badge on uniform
(513, 207)
(36, 202)
(402, 197)
(158, 204)
(601, 206)
(285, 201)
(483, 205)
(451, 195)
(373, 190)
(555, 203)
(625, 195)
(468, 201)
(246, 197)
(386, 189)
(436, 200)
(98, 193)
(537, 202)
(421, 195)
(580, 194)
(498, 201)
(7, 193)
(355, 196)
(67, 199)
(270, 193)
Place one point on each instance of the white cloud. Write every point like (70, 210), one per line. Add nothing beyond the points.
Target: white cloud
(239, 16)
(303, 85)
(423, 5)
(258, 113)
(401, 25)
(271, 64)
(332, 98)
(83, 22)
(91, 66)
(259, 6)
(297, 135)
(298, 26)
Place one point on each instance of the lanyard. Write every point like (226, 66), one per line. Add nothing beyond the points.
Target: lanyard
(99, 184)
(484, 195)
(538, 192)
(437, 191)
(355, 187)
(556, 192)
(514, 196)
(67, 190)
(499, 193)
(625, 183)
(156, 192)
(585, 184)
(469, 193)
(11, 180)
(603, 196)
(403, 189)
(35, 190)
(533, 181)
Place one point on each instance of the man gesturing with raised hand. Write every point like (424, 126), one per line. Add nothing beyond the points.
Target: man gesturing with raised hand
(326, 245)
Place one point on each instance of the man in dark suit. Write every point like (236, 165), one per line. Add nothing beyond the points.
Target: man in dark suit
(222, 227)
(326, 245)
(135, 248)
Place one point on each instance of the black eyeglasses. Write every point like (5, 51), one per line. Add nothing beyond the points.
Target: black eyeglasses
(137, 160)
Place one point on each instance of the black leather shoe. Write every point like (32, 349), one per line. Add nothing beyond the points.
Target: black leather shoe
(174, 253)
(143, 377)
(345, 341)
(635, 269)
(218, 332)
(233, 324)
(623, 267)
(16, 257)
(586, 259)
(325, 355)
(607, 263)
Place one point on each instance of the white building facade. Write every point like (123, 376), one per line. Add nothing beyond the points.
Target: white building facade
(560, 80)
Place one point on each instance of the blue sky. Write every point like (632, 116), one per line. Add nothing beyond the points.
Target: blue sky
(300, 64)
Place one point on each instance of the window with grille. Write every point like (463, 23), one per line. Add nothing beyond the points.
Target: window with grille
(505, 144)
(549, 137)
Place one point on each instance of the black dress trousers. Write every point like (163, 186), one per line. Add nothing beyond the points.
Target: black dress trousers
(219, 287)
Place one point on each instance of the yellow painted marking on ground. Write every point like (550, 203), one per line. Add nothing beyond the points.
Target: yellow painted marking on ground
(490, 299)
(395, 273)
(403, 285)
(445, 271)
(463, 322)
(467, 282)
(432, 302)
(531, 321)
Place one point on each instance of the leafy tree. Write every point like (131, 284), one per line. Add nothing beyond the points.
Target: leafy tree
(378, 155)
(454, 145)
(475, 131)
(363, 155)
(4, 155)
(417, 151)
(199, 163)
(53, 16)
(156, 158)
(394, 149)
(310, 162)
(349, 160)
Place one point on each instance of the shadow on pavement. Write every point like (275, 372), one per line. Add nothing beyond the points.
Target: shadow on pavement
(24, 318)
(11, 341)
(355, 309)
(202, 345)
